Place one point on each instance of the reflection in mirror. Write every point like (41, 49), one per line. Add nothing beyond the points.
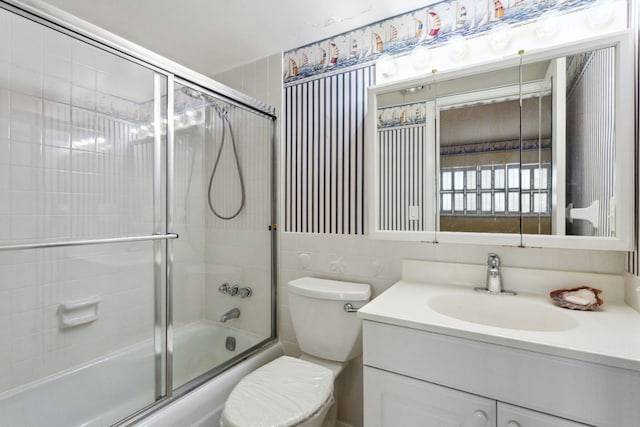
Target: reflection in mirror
(479, 152)
(406, 188)
(590, 144)
(480, 157)
(541, 166)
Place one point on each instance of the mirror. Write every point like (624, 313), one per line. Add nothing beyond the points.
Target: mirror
(478, 137)
(536, 152)
(406, 160)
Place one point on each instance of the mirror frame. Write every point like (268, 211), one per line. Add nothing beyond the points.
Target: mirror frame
(625, 157)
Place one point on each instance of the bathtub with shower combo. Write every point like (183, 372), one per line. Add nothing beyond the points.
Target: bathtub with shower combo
(137, 267)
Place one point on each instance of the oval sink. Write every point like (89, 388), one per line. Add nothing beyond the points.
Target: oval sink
(511, 312)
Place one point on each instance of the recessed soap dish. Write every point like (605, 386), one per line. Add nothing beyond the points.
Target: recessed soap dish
(582, 298)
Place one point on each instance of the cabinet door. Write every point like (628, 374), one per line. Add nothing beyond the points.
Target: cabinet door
(514, 416)
(392, 400)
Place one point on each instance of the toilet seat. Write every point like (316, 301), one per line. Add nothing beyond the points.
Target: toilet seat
(282, 393)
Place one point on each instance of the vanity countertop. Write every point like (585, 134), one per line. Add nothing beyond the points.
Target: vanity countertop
(609, 335)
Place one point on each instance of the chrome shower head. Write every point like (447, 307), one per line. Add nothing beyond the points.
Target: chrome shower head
(222, 110)
(193, 93)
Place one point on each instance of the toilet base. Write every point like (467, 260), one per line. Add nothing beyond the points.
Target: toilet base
(330, 418)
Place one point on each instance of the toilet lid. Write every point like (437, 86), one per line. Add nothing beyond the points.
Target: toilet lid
(281, 393)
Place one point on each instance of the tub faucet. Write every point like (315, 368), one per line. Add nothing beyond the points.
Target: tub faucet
(234, 313)
(494, 278)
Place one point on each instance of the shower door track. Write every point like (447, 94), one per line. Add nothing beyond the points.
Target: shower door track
(87, 242)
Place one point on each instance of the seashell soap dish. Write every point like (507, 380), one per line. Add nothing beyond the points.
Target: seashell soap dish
(582, 298)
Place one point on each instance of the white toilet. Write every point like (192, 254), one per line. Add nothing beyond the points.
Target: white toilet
(299, 392)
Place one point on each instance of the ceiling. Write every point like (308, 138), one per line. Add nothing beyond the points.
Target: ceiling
(214, 36)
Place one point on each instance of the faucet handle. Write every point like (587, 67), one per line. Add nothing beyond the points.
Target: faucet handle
(493, 261)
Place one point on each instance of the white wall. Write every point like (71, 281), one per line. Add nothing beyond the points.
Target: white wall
(261, 79)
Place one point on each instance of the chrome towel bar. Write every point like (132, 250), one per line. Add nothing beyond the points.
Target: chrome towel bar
(127, 239)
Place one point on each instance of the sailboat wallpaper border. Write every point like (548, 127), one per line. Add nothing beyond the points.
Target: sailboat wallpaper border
(402, 115)
(428, 26)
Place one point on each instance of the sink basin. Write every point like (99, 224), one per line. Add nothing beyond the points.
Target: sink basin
(511, 312)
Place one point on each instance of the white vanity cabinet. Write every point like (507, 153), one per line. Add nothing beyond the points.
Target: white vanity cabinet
(422, 378)
(393, 400)
(514, 416)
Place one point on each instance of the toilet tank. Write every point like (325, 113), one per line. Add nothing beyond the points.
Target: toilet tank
(322, 326)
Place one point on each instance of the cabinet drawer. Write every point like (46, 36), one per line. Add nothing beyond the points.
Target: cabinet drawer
(513, 416)
(392, 400)
(586, 392)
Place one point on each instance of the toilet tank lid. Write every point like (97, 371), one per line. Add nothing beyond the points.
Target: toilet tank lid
(330, 289)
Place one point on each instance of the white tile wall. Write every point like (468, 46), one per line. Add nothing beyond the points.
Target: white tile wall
(33, 286)
(261, 79)
(64, 157)
(244, 247)
(241, 258)
(189, 250)
(632, 291)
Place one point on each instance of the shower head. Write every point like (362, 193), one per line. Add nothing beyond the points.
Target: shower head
(193, 93)
(208, 99)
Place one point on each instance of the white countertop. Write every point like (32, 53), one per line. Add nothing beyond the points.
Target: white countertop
(609, 335)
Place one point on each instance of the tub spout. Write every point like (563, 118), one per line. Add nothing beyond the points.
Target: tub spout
(234, 313)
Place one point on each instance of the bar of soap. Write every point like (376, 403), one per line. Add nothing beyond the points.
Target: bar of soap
(580, 298)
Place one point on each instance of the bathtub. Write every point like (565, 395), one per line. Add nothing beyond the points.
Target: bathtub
(103, 391)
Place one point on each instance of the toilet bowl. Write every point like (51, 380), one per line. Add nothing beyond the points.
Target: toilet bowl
(285, 392)
(300, 391)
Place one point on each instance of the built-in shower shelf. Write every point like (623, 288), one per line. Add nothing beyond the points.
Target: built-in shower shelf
(78, 312)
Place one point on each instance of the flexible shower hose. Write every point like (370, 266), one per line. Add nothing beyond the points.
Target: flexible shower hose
(225, 121)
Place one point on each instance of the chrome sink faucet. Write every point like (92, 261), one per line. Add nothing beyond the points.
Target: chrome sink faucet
(494, 278)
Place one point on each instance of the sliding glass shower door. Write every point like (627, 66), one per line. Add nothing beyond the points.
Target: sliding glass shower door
(222, 297)
(82, 142)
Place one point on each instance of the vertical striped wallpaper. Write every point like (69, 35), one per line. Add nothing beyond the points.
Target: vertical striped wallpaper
(324, 153)
(402, 162)
(591, 141)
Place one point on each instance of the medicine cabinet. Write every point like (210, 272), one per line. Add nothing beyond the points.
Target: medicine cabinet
(535, 150)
